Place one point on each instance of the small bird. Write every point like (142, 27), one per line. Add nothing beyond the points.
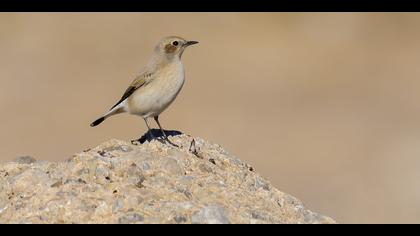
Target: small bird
(157, 86)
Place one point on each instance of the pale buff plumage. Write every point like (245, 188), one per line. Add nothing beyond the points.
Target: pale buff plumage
(157, 86)
(154, 97)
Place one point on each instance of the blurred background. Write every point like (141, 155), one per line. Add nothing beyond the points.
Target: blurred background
(324, 105)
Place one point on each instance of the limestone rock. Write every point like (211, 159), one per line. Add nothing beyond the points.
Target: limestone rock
(118, 182)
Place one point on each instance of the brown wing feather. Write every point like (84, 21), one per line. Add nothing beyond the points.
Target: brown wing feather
(138, 82)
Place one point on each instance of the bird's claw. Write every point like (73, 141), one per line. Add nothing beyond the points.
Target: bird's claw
(167, 141)
(173, 144)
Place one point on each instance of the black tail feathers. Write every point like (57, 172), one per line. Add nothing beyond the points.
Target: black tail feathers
(97, 122)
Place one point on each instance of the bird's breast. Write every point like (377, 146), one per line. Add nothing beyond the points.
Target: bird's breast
(157, 95)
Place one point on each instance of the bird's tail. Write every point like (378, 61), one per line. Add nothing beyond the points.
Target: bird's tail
(116, 110)
(97, 122)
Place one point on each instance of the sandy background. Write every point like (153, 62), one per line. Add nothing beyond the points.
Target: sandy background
(325, 105)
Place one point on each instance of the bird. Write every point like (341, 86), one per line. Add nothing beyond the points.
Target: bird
(156, 87)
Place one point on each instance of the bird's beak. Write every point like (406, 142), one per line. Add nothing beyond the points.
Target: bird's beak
(189, 43)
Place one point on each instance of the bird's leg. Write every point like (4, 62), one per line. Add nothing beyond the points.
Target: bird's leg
(163, 132)
(148, 127)
(149, 131)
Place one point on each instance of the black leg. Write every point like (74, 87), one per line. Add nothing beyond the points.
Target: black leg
(148, 127)
(163, 132)
(149, 131)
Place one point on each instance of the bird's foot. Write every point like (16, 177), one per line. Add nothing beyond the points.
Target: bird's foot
(173, 144)
(167, 141)
(163, 140)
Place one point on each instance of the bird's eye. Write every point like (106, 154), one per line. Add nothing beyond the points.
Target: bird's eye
(175, 43)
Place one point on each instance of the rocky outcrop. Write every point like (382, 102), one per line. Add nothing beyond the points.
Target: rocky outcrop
(118, 182)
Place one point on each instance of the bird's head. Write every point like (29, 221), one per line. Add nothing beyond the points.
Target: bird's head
(173, 46)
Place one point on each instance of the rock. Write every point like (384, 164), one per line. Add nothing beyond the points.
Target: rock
(172, 167)
(25, 160)
(118, 182)
(130, 219)
(211, 215)
(180, 219)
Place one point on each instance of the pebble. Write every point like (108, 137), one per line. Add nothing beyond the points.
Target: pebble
(211, 215)
(25, 160)
(130, 219)
(172, 167)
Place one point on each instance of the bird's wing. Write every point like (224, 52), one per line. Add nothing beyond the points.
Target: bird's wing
(138, 82)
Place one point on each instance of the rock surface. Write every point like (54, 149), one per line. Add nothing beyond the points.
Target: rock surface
(118, 182)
